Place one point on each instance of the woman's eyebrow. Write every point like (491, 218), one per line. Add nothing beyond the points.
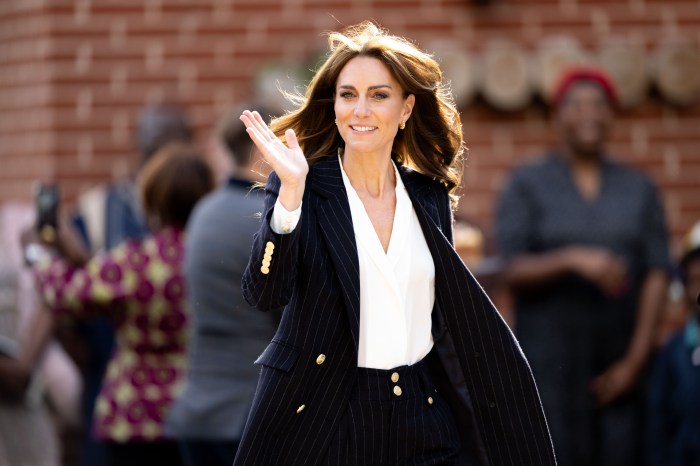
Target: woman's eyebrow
(371, 88)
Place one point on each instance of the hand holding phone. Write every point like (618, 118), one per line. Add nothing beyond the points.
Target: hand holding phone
(47, 198)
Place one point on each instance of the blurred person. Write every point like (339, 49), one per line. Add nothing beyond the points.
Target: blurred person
(39, 384)
(225, 336)
(107, 215)
(586, 257)
(388, 351)
(673, 436)
(140, 285)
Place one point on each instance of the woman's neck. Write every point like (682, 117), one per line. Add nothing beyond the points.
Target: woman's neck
(583, 161)
(370, 174)
(587, 173)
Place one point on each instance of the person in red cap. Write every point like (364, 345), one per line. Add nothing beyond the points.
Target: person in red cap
(586, 256)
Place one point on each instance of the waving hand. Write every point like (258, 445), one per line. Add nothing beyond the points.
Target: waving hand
(287, 161)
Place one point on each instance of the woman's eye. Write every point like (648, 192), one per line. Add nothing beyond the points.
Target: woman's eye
(346, 95)
(380, 96)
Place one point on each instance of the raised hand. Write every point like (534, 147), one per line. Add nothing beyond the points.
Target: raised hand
(287, 161)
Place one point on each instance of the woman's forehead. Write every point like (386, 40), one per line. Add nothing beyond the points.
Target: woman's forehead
(585, 89)
(368, 70)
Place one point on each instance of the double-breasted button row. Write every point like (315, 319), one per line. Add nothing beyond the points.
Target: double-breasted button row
(320, 359)
(395, 378)
(267, 258)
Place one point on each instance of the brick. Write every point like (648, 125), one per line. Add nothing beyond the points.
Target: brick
(85, 68)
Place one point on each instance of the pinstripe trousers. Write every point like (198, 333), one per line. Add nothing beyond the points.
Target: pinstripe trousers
(395, 417)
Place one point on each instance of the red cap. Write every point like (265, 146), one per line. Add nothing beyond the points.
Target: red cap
(572, 76)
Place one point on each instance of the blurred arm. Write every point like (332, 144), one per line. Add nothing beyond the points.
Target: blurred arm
(652, 298)
(16, 372)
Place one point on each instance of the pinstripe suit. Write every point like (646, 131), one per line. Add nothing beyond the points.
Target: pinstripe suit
(314, 272)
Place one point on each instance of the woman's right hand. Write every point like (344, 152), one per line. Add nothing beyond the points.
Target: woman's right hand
(288, 161)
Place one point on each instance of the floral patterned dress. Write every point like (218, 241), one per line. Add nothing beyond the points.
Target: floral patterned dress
(141, 285)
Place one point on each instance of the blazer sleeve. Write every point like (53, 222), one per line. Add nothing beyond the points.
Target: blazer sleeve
(269, 278)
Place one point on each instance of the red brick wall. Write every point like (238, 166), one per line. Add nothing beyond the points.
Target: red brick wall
(73, 73)
(26, 126)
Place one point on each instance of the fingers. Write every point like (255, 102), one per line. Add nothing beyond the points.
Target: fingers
(257, 131)
(254, 120)
(291, 139)
(257, 138)
(286, 159)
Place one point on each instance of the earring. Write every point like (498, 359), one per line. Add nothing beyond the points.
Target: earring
(336, 122)
(402, 125)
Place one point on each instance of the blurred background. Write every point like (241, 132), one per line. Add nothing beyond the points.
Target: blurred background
(74, 73)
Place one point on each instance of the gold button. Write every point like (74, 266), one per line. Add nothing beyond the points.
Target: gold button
(301, 408)
(430, 400)
(267, 256)
(321, 359)
(397, 391)
(265, 270)
(266, 262)
(269, 246)
(395, 377)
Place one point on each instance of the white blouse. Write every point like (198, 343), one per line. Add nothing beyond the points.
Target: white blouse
(397, 287)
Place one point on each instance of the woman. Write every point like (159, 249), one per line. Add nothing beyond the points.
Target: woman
(388, 351)
(140, 284)
(586, 257)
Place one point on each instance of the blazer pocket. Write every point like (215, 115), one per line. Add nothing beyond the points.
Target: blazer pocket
(279, 355)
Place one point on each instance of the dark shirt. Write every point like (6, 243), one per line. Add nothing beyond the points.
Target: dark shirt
(569, 330)
(542, 210)
(674, 402)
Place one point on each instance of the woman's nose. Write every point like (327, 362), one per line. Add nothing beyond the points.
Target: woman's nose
(361, 108)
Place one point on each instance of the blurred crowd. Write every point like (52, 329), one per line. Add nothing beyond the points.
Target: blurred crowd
(124, 338)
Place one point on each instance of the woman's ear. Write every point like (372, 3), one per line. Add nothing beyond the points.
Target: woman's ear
(408, 104)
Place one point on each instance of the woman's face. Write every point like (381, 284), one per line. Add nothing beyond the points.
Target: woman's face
(369, 106)
(585, 119)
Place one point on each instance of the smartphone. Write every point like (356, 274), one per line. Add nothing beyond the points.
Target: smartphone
(46, 198)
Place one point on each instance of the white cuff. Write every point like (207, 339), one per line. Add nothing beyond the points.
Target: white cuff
(284, 221)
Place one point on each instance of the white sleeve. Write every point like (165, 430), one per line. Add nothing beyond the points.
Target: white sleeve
(284, 221)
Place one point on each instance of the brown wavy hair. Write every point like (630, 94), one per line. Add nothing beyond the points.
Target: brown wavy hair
(171, 183)
(432, 141)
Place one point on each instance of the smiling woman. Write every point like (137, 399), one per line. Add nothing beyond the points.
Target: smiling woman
(388, 351)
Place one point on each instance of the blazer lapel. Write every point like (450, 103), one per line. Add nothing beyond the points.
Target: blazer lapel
(423, 200)
(335, 221)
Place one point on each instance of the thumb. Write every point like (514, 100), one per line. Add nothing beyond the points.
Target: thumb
(291, 139)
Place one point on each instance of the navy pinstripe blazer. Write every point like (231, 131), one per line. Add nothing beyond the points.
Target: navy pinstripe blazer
(314, 273)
